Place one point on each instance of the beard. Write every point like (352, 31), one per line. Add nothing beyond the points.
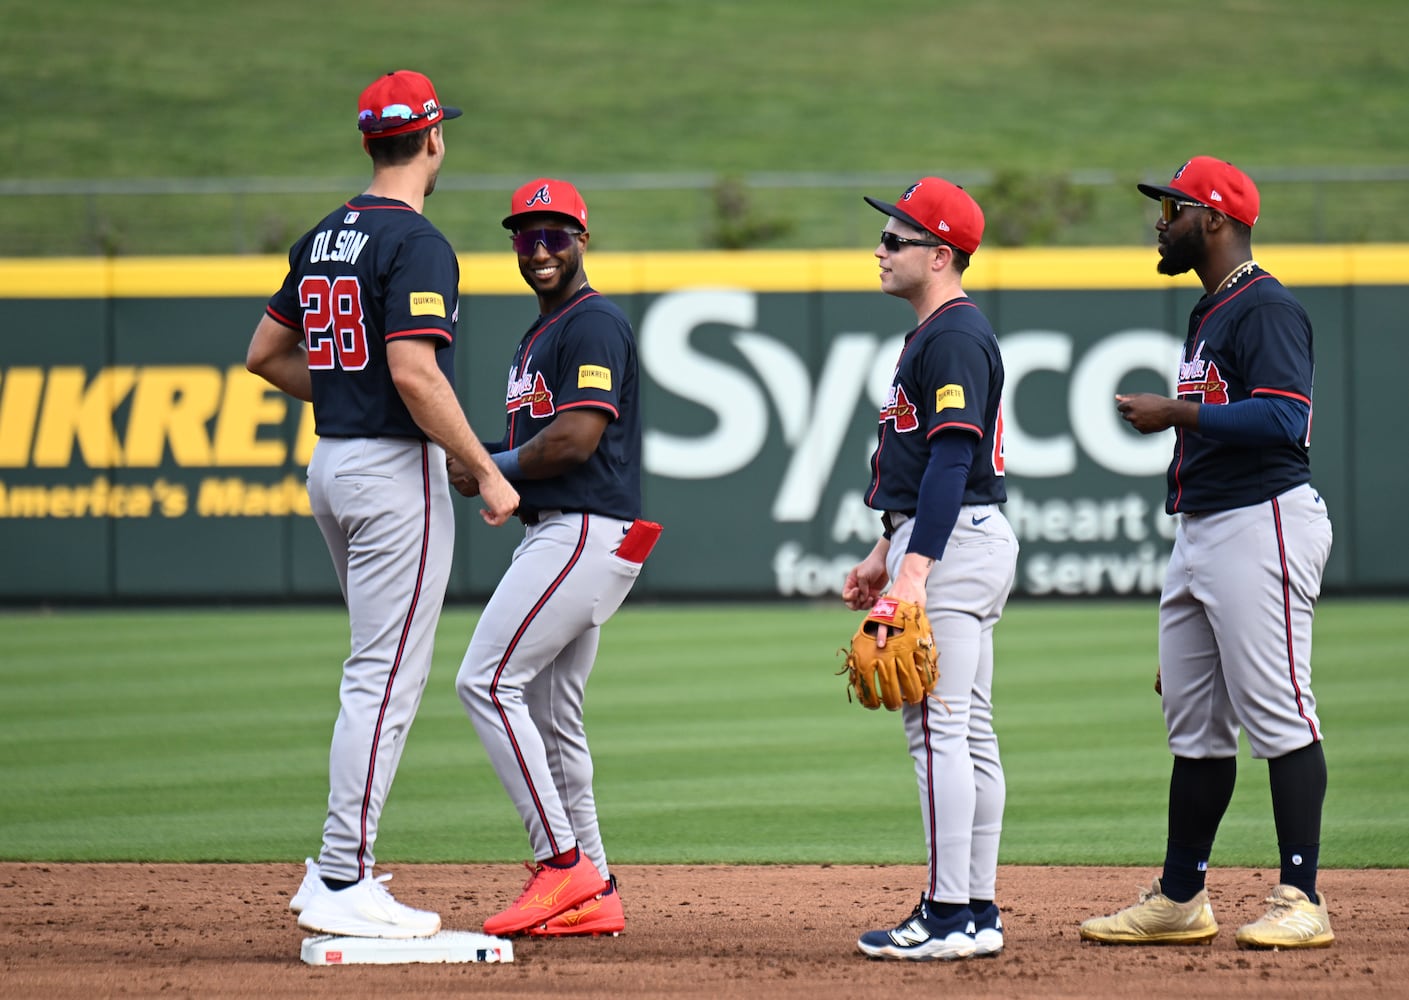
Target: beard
(568, 272)
(1182, 254)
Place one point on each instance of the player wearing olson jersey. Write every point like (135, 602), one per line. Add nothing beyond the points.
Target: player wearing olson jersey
(572, 447)
(1251, 542)
(364, 328)
(937, 476)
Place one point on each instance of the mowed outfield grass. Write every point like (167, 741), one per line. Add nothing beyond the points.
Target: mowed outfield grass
(721, 735)
(667, 89)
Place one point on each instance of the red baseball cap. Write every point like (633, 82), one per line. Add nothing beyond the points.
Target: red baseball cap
(546, 195)
(400, 102)
(1212, 183)
(939, 207)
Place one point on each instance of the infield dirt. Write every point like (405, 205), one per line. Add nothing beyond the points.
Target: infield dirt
(147, 930)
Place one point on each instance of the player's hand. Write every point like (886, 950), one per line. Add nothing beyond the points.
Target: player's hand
(461, 478)
(864, 586)
(1146, 412)
(500, 499)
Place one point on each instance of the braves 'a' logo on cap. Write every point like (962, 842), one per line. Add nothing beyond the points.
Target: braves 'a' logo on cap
(910, 190)
(539, 197)
(1180, 172)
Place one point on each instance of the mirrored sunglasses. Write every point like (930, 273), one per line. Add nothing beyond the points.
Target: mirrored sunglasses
(1169, 208)
(393, 116)
(553, 240)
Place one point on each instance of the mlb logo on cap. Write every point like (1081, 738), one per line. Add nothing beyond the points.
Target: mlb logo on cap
(1213, 183)
(941, 208)
(546, 195)
(399, 102)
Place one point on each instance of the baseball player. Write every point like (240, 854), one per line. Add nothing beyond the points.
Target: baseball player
(573, 449)
(937, 476)
(364, 327)
(1251, 541)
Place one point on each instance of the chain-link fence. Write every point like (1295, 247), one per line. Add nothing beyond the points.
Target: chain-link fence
(41, 218)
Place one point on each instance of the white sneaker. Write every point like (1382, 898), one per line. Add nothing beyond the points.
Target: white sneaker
(366, 909)
(308, 888)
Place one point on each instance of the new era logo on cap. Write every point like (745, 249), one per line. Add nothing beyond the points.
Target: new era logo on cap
(1212, 182)
(399, 102)
(546, 195)
(939, 207)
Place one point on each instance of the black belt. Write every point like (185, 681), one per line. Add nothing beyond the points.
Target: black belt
(532, 517)
(891, 520)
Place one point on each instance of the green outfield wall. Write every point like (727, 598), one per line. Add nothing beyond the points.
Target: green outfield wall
(138, 459)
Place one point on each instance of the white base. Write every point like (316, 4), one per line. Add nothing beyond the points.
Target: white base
(447, 946)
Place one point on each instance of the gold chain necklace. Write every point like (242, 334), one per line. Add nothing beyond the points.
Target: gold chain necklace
(1235, 275)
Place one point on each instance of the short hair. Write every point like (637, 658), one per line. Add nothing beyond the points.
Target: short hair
(961, 257)
(1240, 229)
(396, 150)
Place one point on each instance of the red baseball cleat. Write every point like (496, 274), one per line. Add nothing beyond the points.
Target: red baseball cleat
(550, 891)
(599, 915)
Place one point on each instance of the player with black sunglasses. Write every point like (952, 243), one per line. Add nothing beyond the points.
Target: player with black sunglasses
(573, 448)
(937, 478)
(1251, 540)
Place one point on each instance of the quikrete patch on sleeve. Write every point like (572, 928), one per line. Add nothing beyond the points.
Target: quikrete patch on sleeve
(427, 304)
(594, 377)
(947, 396)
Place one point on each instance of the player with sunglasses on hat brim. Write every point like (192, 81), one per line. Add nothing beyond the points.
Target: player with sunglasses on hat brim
(364, 328)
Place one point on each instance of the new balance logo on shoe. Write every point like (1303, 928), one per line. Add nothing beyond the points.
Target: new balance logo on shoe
(923, 936)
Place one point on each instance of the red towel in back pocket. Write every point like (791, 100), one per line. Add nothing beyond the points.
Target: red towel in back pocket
(639, 540)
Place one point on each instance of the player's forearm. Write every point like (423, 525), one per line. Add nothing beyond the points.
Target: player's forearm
(276, 354)
(543, 457)
(432, 403)
(288, 373)
(571, 439)
(914, 572)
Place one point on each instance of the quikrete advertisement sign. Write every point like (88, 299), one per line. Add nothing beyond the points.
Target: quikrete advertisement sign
(139, 459)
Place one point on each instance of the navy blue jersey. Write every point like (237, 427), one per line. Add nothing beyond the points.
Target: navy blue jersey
(1253, 339)
(374, 270)
(949, 377)
(581, 354)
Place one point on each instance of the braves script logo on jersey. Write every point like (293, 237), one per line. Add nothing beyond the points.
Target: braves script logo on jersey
(899, 408)
(529, 391)
(1200, 378)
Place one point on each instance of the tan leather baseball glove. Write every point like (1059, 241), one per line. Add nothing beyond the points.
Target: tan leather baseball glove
(904, 672)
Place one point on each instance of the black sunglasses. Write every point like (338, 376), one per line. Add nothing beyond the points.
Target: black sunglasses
(893, 243)
(553, 240)
(1169, 208)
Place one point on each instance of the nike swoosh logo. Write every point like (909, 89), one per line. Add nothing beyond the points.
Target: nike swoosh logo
(980, 520)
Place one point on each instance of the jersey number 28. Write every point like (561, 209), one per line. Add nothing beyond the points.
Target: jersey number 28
(332, 323)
